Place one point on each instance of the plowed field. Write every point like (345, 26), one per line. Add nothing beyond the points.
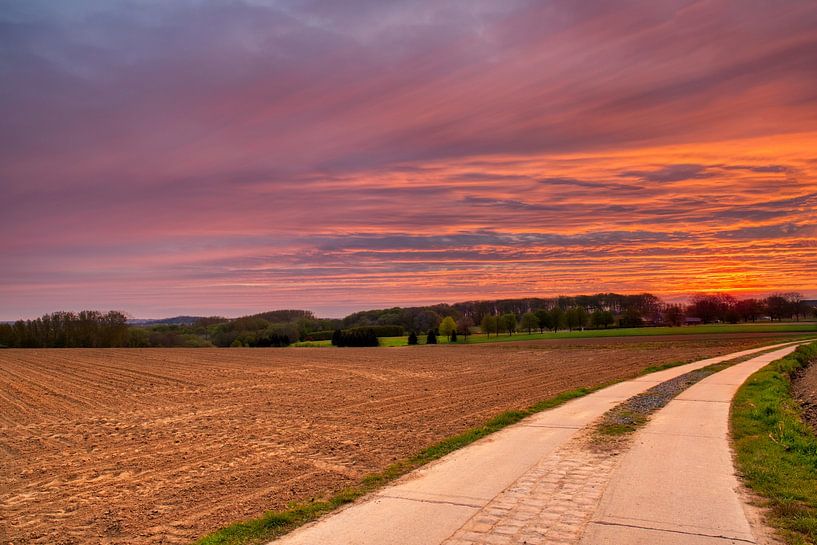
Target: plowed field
(151, 446)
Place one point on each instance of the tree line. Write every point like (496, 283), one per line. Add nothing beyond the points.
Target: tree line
(283, 327)
(723, 307)
(89, 328)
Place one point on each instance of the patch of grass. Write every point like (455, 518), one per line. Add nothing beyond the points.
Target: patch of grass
(662, 367)
(796, 327)
(627, 421)
(776, 452)
(766, 327)
(312, 344)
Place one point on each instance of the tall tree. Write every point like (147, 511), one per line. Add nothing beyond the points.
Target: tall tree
(557, 318)
(529, 322)
(448, 326)
(464, 326)
(508, 323)
(488, 324)
(749, 310)
(543, 319)
(711, 307)
(576, 318)
(602, 318)
(674, 315)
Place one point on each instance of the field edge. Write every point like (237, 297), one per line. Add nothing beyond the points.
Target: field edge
(775, 450)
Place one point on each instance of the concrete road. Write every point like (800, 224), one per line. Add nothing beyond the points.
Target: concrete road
(677, 484)
(430, 504)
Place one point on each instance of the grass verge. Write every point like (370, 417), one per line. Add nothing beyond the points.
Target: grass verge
(776, 452)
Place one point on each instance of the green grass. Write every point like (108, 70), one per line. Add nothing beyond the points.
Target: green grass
(628, 422)
(806, 327)
(776, 451)
(312, 344)
(765, 327)
(662, 367)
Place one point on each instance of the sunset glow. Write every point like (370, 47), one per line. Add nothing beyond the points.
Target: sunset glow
(212, 157)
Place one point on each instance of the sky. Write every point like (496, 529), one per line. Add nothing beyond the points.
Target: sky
(231, 156)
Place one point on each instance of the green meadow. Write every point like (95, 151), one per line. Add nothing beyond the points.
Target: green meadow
(765, 327)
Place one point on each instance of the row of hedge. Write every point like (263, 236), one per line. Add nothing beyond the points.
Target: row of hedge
(379, 331)
(355, 337)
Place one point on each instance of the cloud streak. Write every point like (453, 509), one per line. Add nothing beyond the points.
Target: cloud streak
(208, 156)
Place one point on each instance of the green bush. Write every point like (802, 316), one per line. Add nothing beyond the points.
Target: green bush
(382, 330)
(319, 335)
(355, 337)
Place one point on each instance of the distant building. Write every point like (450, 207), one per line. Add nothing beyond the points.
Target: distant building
(692, 320)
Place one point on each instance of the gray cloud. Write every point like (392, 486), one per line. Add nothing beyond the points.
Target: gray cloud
(671, 173)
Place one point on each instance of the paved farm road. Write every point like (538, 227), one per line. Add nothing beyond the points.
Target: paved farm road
(535, 483)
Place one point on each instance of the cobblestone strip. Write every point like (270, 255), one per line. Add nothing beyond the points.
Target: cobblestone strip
(548, 505)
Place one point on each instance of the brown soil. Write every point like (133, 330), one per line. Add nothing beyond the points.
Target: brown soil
(162, 446)
(805, 391)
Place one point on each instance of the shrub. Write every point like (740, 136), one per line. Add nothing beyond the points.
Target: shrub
(412, 339)
(319, 335)
(448, 326)
(269, 338)
(355, 337)
(432, 337)
(453, 337)
(382, 330)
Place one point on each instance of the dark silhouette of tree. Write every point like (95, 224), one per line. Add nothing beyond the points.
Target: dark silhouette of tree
(674, 315)
(431, 338)
(631, 318)
(778, 307)
(543, 320)
(356, 337)
(749, 310)
(576, 318)
(557, 318)
(412, 338)
(602, 318)
(529, 322)
(464, 326)
(508, 323)
(489, 325)
(711, 307)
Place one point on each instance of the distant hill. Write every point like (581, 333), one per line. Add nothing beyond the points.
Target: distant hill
(176, 320)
